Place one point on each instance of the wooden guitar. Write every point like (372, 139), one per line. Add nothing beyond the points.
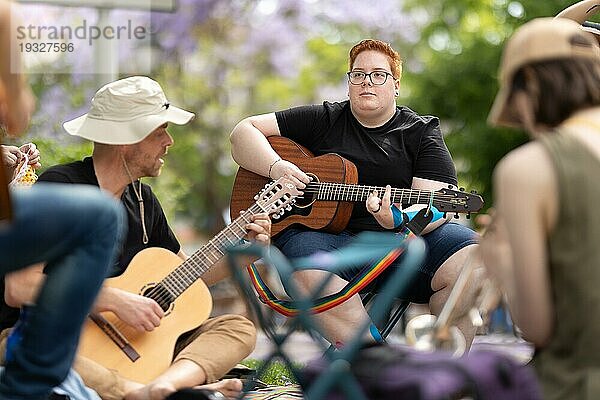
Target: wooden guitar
(160, 275)
(328, 200)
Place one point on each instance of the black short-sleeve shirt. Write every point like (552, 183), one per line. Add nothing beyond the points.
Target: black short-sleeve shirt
(408, 145)
(159, 232)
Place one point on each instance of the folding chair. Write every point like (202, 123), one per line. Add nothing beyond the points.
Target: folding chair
(366, 247)
(391, 319)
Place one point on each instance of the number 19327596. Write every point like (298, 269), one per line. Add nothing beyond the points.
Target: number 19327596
(46, 47)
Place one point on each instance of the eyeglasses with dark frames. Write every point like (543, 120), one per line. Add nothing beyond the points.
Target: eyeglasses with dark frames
(376, 77)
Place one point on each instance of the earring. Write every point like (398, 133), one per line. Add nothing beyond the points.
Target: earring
(397, 93)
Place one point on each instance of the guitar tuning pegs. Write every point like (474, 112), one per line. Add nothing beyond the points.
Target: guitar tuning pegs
(256, 197)
(473, 191)
(462, 189)
(276, 216)
(456, 215)
(288, 208)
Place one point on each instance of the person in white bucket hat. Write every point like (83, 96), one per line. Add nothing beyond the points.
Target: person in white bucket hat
(128, 123)
(542, 243)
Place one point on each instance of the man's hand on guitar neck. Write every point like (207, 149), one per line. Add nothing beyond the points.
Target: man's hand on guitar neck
(141, 313)
(288, 169)
(259, 230)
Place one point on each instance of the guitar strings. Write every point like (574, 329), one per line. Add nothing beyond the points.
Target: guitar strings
(194, 261)
(332, 190)
(198, 263)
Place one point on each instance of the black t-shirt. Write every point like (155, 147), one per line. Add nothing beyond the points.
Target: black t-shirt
(407, 146)
(159, 232)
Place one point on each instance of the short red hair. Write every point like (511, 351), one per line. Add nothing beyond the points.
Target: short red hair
(377, 45)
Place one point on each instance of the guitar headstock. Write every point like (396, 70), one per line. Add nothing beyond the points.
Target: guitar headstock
(457, 201)
(277, 196)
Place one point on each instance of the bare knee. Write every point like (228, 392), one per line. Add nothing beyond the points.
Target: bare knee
(239, 327)
(446, 276)
(448, 272)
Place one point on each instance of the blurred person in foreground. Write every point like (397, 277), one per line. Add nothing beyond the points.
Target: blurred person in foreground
(542, 242)
(75, 230)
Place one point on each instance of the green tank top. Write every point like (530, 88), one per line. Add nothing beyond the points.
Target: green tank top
(569, 367)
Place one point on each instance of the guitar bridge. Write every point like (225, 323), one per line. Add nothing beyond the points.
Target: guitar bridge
(116, 336)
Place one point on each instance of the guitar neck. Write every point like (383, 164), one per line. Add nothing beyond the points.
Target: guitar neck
(351, 192)
(202, 260)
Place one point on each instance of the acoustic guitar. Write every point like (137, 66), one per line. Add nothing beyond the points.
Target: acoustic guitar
(328, 200)
(160, 275)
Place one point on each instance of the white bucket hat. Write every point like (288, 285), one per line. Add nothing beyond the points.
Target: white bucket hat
(126, 111)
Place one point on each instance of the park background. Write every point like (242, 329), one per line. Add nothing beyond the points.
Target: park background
(225, 60)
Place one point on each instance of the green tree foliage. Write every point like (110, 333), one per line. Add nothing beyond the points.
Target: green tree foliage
(460, 53)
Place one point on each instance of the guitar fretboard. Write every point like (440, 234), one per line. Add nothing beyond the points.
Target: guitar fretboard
(351, 192)
(202, 260)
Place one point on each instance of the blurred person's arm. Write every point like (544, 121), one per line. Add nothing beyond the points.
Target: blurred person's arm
(16, 99)
(515, 244)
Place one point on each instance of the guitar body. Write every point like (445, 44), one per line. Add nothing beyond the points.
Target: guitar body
(331, 216)
(155, 348)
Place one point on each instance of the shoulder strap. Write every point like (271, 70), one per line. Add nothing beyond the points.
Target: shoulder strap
(359, 282)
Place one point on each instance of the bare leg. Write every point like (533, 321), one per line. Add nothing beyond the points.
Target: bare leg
(341, 322)
(443, 282)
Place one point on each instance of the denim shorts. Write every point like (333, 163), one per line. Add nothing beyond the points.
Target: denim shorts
(441, 244)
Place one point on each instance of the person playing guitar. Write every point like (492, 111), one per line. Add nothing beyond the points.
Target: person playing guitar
(391, 146)
(128, 124)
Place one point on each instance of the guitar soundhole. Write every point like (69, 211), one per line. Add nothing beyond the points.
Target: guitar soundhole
(308, 198)
(159, 294)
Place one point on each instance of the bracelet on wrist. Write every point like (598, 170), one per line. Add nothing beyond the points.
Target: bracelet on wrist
(271, 166)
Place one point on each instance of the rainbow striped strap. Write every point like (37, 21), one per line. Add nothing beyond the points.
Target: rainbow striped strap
(359, 282)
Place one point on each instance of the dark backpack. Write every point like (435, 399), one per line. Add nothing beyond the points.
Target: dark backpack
(387, 372)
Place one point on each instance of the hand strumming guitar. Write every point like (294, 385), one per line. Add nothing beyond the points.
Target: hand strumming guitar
(288, 169)
(140, 312)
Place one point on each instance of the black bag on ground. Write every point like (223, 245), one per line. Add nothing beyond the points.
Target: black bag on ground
(196, 394)
(388, 372)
